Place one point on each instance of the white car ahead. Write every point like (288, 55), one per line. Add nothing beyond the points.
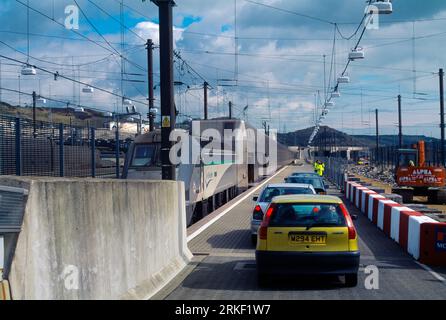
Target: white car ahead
(267, 194)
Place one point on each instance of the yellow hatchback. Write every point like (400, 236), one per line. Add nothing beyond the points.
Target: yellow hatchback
(308, 234)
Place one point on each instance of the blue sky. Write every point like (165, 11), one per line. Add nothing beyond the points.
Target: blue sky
(280, 57)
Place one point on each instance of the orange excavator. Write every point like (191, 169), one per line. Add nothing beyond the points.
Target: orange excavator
(415, 178)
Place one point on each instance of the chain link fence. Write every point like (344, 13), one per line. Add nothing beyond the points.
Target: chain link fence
(29, 148)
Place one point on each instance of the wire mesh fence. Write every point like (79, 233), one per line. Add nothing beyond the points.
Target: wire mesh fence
(40, 148)
(388, 156)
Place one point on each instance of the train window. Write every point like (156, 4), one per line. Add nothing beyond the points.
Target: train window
(143, 155)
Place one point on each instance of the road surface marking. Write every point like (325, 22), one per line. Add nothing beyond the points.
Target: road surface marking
(432, 272)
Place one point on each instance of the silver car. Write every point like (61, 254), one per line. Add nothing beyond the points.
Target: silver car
(267, 194)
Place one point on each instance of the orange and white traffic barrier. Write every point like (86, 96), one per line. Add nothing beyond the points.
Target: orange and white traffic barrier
(421, 236)
(387, 217)
(358, 199)
(414, 235)
(403, 237)
(355, 192)
(349, 190)
(395, 218)
(379, 218)
(373, 205)
(433, 243)
(365, 200)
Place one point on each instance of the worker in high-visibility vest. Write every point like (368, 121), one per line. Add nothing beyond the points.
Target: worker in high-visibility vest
(320, 170)
(315, 165)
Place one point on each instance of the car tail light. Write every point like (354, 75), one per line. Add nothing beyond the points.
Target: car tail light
(257, 214)
(263, 230)
(350, 225)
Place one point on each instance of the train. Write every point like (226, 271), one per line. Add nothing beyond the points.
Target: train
(236, 159)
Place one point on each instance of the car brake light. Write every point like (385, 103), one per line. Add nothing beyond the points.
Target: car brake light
(263, 230)
(350, 225)
(257, 214)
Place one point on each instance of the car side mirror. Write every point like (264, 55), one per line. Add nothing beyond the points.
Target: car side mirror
(354, 217)
(255, 198)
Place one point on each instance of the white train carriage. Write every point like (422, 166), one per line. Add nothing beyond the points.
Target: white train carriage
(223, 167)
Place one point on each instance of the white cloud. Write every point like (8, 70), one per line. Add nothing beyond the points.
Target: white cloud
(150, 30)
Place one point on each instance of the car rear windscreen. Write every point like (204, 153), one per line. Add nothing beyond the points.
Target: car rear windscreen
(270, 193)
(315, 182)
(307, 215)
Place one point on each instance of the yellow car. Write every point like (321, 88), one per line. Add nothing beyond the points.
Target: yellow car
(307, 234)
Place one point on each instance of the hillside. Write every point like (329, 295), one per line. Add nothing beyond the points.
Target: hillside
(392, 140)
(330, 136)
(58, 115)
(326, 135)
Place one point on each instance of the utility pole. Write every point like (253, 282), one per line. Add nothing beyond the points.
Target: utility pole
(325, 81)
(377, 134)
(400, 124)
(34, 114)
(0, 80)
(151, 114)
(168, 113)
(442, 116)
(325, 140)
(205, 99)
(20, 93)
(230, 110)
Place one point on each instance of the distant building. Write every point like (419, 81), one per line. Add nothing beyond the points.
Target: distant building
(127, 127)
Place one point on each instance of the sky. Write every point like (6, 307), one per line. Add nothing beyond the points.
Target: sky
(278, 71)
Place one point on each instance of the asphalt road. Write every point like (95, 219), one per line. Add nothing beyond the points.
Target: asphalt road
(224, 266)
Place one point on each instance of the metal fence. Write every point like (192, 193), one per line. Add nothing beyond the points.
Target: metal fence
(387, 156)
(40, 148)
(335, 169)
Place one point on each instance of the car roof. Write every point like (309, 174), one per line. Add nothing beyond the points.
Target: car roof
(306, 177)
(304, 173)
(307, 199)
(289, 185)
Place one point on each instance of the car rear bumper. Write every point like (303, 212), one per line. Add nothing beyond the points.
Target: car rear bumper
(286, 263)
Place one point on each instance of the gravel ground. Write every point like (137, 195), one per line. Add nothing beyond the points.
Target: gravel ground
(384, 175)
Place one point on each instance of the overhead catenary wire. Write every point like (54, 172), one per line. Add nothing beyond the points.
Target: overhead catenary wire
(56, 74)
(63, 102)
(116, 20)
(290, 12)
(78, 33)
(285, 58)
(195, 77)
(336, 88)
(94, 27)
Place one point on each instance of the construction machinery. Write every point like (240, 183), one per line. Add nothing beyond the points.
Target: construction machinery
(415, 178)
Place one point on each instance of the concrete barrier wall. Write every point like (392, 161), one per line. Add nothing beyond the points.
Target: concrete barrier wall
(98, 239)
(420, 236)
